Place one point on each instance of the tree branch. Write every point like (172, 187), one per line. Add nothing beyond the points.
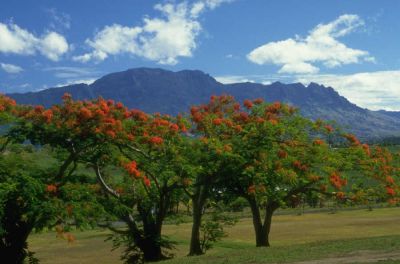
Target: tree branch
(113, 229)
(105, 186)
(135, 150)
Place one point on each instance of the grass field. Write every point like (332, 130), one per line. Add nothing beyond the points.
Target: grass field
(359, 235)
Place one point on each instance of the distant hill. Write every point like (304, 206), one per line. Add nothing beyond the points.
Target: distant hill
(157, 90)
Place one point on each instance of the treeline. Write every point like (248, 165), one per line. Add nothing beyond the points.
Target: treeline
(144, 164)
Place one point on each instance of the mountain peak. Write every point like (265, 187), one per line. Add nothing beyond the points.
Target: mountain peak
(315, 85)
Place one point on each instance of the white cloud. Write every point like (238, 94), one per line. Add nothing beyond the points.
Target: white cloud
(163, 39)
(202, 5)
(53, 45)
(20, 41)
(111, 40)
(228, 79)
(16, 40)
(76, 81)
(254, 78)
(372, 90)
(11, 68)
(299, 55)
(73, 75)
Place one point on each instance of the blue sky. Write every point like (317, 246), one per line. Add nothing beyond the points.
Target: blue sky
(352, 46)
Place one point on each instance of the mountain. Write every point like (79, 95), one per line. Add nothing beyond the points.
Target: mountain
(158, 90)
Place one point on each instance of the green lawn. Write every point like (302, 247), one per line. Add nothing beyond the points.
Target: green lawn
(293, 238)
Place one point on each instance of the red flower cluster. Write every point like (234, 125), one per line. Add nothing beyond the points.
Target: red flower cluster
(340, 195)
(366, 149)
(146, 181)
(318, 142)
(217, 121)
(248, 104)
(251, 189)
(260, 120)
(273, 121)
(139, 115)
(48, 115)
(389, 180)
(258, 101)
(86, 113)
(390, 191)
(282, 154)
(132, 170)
(298, 165)
(51, 188)
(156, 140)
(174, 127)
(6, 103)
(274, 108)
(329, 128)
(336, 181)
(352, 139)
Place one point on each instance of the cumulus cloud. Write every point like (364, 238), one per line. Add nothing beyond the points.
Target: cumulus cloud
(372, 90)
(14, 39)
(299, 55)
(53, 45)
(111, 40)
(11, 68)
(163, 39)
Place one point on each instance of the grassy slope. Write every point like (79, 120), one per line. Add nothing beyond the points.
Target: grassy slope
(293, 237)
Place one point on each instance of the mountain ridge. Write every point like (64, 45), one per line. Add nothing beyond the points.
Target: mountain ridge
(158, 90)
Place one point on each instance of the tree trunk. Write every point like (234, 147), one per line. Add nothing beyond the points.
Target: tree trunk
(257, 224)
(13, 245)
(150, 242)
(146, 240)
(198, 201)
(261, 229)
(269, 211)
(151, 249)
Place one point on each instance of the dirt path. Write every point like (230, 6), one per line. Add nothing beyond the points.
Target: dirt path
(362, 256)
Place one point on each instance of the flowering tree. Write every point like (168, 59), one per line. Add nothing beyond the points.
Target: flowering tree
(30, 199)
(106, 136)
(153, 154)
(270, 154)
(265, 153)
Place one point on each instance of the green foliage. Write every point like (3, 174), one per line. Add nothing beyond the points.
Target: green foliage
(212, 228)
(237, 205)
(31, 201)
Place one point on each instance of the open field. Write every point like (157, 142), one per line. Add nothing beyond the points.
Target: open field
(359, 235)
